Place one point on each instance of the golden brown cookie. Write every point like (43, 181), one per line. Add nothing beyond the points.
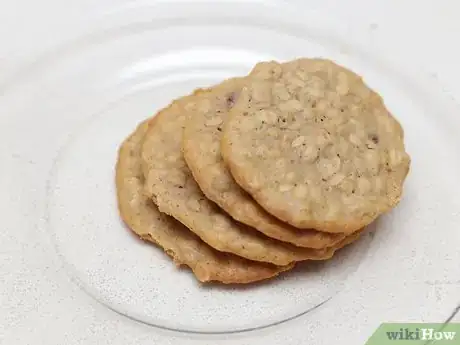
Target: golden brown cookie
(201, 149)
(315, 146)
(171, 185)
(144, 218)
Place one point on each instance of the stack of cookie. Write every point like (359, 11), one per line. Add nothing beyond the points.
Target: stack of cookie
(244, 179)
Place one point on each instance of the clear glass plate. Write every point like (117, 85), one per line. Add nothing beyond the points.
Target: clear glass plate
(63, 118)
